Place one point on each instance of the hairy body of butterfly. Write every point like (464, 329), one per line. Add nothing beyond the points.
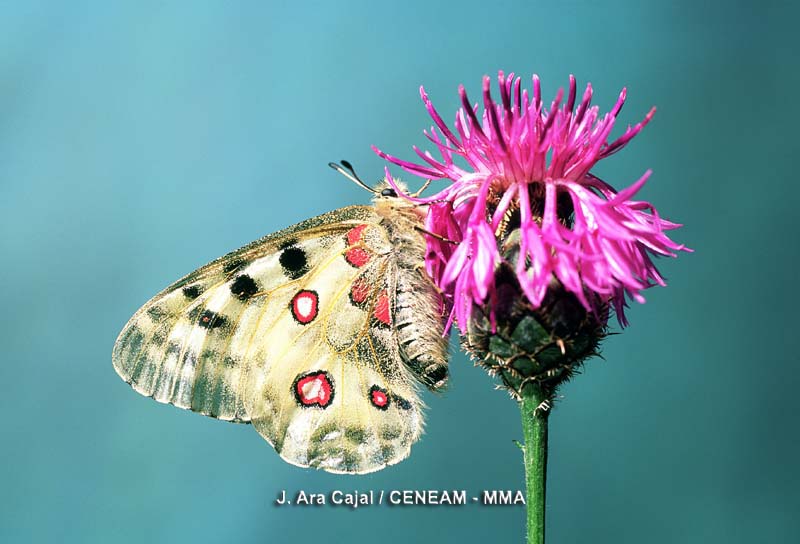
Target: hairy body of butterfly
(317, 335)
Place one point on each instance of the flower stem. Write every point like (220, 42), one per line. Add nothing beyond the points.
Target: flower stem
(534, 429)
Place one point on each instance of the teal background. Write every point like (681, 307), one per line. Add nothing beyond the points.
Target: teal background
(140, 140)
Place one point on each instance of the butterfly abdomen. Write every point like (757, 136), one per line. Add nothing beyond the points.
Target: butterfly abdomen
(420, 330)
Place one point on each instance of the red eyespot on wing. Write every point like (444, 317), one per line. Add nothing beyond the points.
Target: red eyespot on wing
(379, 397)
(354, 235)
(381, 311)
(356, 256)
(305, 306)
(313, 389)
(359, 291)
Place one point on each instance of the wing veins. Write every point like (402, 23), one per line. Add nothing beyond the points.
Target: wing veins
(303, 281)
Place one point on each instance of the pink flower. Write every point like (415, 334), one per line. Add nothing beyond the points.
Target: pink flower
(573, 226)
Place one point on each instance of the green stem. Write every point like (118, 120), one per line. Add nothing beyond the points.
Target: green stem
(534, 428)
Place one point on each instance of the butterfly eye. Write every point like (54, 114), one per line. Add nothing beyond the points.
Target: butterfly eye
(389, 192)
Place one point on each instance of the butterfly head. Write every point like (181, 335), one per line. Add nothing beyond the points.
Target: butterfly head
(389, 202)
(383, 191)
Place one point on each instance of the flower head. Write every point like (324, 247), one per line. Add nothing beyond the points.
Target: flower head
(524, 163)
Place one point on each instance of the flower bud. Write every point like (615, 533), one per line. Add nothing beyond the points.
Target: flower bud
(521, 343)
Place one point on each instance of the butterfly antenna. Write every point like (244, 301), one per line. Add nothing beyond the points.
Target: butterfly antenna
(437, 236)
(346, 169)
(424, 186)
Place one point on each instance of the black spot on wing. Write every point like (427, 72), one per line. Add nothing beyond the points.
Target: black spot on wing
(401, 402)
(173, 348)
(192, 291)
(357, 435)
(211, 320)
(133, 339)
(156, 313)
(390, 432)
(244, 287)
(288, 243)
(294, 262)
(388, 452)
(160, 336)
(209, 355)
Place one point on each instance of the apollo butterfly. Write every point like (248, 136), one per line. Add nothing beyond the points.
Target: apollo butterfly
(317, 335)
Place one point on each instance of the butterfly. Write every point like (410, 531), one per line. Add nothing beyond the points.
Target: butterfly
(318, 335)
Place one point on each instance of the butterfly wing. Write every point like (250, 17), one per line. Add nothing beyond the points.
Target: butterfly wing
(293, 333)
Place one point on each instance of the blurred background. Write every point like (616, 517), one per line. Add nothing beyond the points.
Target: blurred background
(140, 140)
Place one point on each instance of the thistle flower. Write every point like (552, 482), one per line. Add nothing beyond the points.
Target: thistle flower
(532, 249)
(528, 168)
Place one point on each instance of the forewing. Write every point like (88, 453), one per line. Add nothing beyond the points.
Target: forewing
(179, 348)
